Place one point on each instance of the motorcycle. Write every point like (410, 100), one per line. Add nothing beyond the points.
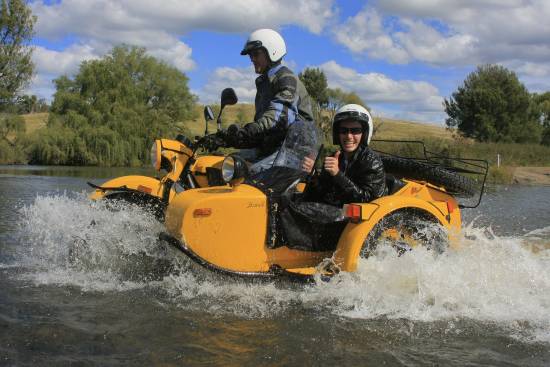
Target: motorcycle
(229, 221)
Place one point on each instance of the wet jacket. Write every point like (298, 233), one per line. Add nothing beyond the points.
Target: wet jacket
(280, 98)
(360, 180)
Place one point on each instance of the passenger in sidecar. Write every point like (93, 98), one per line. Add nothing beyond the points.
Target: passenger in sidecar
(354, 174)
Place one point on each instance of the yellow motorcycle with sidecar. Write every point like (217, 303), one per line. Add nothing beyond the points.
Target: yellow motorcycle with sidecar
(228, 220)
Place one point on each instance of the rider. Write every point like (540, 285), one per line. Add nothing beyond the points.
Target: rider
(280, 99)
(355, 173)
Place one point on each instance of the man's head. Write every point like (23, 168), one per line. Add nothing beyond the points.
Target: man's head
(265, 47)
(351, 127)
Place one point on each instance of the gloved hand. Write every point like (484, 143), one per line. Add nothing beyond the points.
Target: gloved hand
(231, 136)
(212, 142)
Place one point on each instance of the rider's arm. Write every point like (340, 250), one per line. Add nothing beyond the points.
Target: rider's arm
(280, 113)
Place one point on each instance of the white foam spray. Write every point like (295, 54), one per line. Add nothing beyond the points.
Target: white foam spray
(504, 280)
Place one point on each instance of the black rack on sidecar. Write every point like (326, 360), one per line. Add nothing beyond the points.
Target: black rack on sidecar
(461, 176)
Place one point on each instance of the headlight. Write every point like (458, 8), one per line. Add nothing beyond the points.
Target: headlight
(155, 154)
(234, 167)
(228, 168)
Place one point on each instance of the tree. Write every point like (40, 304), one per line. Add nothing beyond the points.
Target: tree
(12, 129)
(16, 31)
(542, 106)
(492, 105)
(112, 110)
(315, 82)
(337, 98)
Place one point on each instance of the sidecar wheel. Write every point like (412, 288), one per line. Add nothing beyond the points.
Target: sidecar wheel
(405, 230)
(152, 204)
(418, 170)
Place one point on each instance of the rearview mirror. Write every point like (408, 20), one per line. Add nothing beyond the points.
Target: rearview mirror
(229, 97)
(208, 113)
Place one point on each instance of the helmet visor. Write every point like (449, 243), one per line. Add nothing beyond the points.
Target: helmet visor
(252, 45)
(351, 115)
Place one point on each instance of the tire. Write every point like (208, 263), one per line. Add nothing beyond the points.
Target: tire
(152, 204)
(418, 170)
(404, 230)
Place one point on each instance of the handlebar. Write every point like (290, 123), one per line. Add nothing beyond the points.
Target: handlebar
(210, 142)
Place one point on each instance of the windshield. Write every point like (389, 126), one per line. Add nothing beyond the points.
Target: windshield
(302, 140)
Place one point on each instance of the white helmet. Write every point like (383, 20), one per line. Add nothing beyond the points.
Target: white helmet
(353, 112)
(272, 41)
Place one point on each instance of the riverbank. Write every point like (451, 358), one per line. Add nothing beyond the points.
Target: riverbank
(531, 176)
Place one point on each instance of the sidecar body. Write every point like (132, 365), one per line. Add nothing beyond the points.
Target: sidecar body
(226, 228)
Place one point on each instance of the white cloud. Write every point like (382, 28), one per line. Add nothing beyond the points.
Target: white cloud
(404, 41)
(62, 62)
(99, 25)
(240, 79)
(365, 33)
(448, 32)
(394, 98)
(102, 18)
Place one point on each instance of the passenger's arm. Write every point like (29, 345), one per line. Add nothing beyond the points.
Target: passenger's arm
(369, 182)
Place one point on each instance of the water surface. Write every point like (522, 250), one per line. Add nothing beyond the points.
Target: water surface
(81, 284)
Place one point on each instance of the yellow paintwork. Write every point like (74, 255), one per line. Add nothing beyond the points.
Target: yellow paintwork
(226, 226)
(413, 195)
(233, 236)
(139, 183)
(177, 154)
(200, 165)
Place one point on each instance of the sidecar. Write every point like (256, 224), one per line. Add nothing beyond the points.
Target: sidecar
(229, 228)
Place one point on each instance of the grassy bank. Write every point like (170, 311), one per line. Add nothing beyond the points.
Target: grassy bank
(437, 139)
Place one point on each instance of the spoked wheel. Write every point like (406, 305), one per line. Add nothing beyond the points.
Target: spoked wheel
(405, 230)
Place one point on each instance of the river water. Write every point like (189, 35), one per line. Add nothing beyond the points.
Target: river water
(82, 285)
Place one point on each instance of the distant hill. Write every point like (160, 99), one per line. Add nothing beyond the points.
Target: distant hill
(386, 128)
(511, 155)
(242, 112)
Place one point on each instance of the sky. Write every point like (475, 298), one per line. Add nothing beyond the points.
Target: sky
(401, 57)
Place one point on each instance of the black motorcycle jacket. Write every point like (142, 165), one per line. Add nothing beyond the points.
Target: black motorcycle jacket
(281, 98)
(359, 180)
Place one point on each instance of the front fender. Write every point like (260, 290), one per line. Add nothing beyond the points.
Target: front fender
(354, 235)
(144, 184)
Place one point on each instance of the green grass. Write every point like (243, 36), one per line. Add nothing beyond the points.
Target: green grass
(35, 121)
(437, 138)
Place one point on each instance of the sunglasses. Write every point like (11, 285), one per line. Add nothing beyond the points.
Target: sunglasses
(348, 130)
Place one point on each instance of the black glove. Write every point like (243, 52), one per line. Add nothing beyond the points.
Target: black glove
(231, 136)
(212, 142)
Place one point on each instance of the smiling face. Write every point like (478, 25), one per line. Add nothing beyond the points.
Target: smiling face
(350, 133)
(260, 60)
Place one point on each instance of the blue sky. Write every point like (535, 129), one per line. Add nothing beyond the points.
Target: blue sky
(401, 57)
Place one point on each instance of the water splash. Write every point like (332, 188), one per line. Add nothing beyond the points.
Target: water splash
(68, 240)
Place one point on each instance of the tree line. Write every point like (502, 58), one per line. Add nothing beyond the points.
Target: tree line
(112, 109)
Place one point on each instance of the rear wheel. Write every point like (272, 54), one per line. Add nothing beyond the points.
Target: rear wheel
(405, 230)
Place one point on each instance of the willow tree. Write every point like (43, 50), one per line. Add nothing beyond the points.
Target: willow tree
(110, 112)
(16, 32)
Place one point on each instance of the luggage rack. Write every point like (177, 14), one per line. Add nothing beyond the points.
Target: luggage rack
(478, 168)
